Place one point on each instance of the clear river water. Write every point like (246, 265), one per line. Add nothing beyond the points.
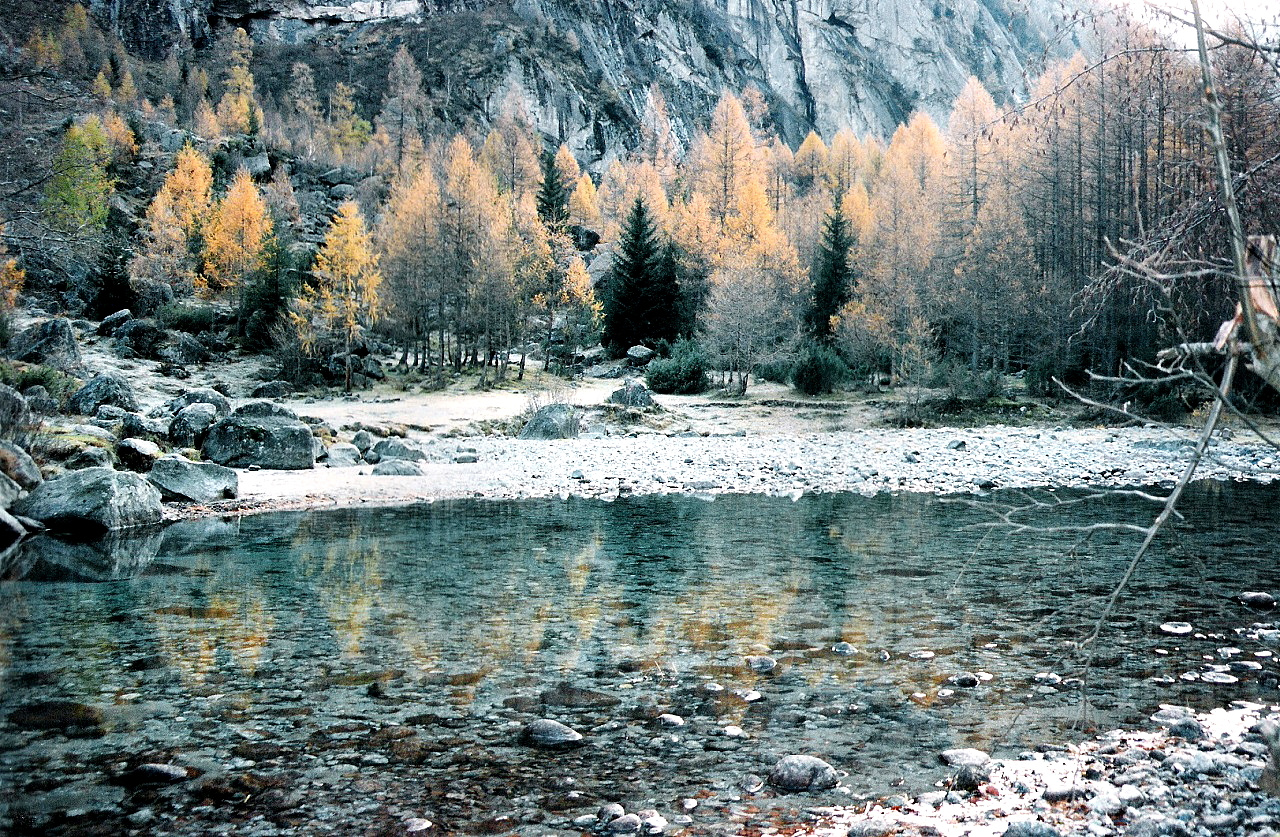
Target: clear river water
(354, 671)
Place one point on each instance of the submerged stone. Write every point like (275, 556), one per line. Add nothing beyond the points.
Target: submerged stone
(803, 773)
(547, 734)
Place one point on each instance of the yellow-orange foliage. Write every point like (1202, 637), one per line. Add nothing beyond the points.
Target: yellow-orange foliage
(12, 277)
(234, 237)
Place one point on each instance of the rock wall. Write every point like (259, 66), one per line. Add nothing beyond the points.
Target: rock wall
(824, 64)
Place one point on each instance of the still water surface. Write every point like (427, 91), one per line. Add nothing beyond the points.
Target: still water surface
(364, 666)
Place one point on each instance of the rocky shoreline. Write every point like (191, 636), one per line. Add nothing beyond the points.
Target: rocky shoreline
(941, 461)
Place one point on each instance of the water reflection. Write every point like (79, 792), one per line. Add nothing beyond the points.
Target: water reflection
(471, 606)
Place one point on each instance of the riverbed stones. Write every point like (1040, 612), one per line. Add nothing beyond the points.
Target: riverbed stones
(107, 388)
(55, 715)
(554, 421)
(803, 773)
(964, 756)
(963, 680)
(395, 448)
(548, 734)
(363, 440)
(93, 500)
(49, 343)
(569, 695)
(264, 434)
(1030, 829)
(180, 479)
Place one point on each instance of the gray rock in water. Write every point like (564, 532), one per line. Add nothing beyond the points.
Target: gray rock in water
(93, 500)
(51, 343)
(639, 355)
(1030, 829)
(17, 465)
(844, 649)
(651, 822)
(342, 455)
(625, 824)
(204, 396)
(961, 756)
(178, 478)
(263, 434)
(394, 448)
(610, 812)
(632, 394)
(1158, 825)
(107, 388)
(397, 468)
(762, 664)
(963, 680)
(803, 773)
(190, 426)
(547, 734)
(554, 421)
(111, 322)
(272, 389)
(1257, 601)
(137, 454)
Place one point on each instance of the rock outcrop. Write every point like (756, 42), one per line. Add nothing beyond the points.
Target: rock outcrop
(264, 434)
(178, 478)
(92, 501)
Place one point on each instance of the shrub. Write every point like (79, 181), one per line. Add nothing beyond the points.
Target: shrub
(684, 373)
(191, 319)
(22, 376)
(968, 386)
(775, 371)
(818, 370)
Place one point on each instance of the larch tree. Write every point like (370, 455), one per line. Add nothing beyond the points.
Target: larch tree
(568, 167)
(344, 299)
(405, 108)
(727, 157)
(508, 151)
(348, 131)
(238, 110)
(659, 146)
(810, 162)
(77, 194)
(234, 237)
(408, 238)
(307, 117)
(584, 203)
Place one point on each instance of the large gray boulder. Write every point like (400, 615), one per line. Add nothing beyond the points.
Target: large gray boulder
(111, 322)
(190, 426)
(92, 501)
(634, 393)
(397, 468)
(137, 454)
(640, 355)
(554, 421)
(107, 388)
(181, 349)
(51, 343)
(263, 434)
(803, 773)
(394, 448)
(178, 478)
(342, 455)
(17, 465)
(15, 413)
(140, 338)
(200, 396)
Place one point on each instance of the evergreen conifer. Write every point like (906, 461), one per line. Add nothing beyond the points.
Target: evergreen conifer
(642, 296)
(832, 275)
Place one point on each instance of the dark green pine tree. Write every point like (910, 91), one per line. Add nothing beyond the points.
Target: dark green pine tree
(642, 298)
(833, 277)
(553, 199)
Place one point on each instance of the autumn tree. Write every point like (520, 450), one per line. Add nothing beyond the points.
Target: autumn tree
(746, 322)
(238, 111)
(348, 131)
(12, 278)
(307, 117)
(343, 300)
(414, 286)
(405, 109)
(76, 197)
(235, 234)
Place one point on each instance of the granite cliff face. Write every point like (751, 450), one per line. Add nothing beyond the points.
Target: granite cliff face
(582, 67)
